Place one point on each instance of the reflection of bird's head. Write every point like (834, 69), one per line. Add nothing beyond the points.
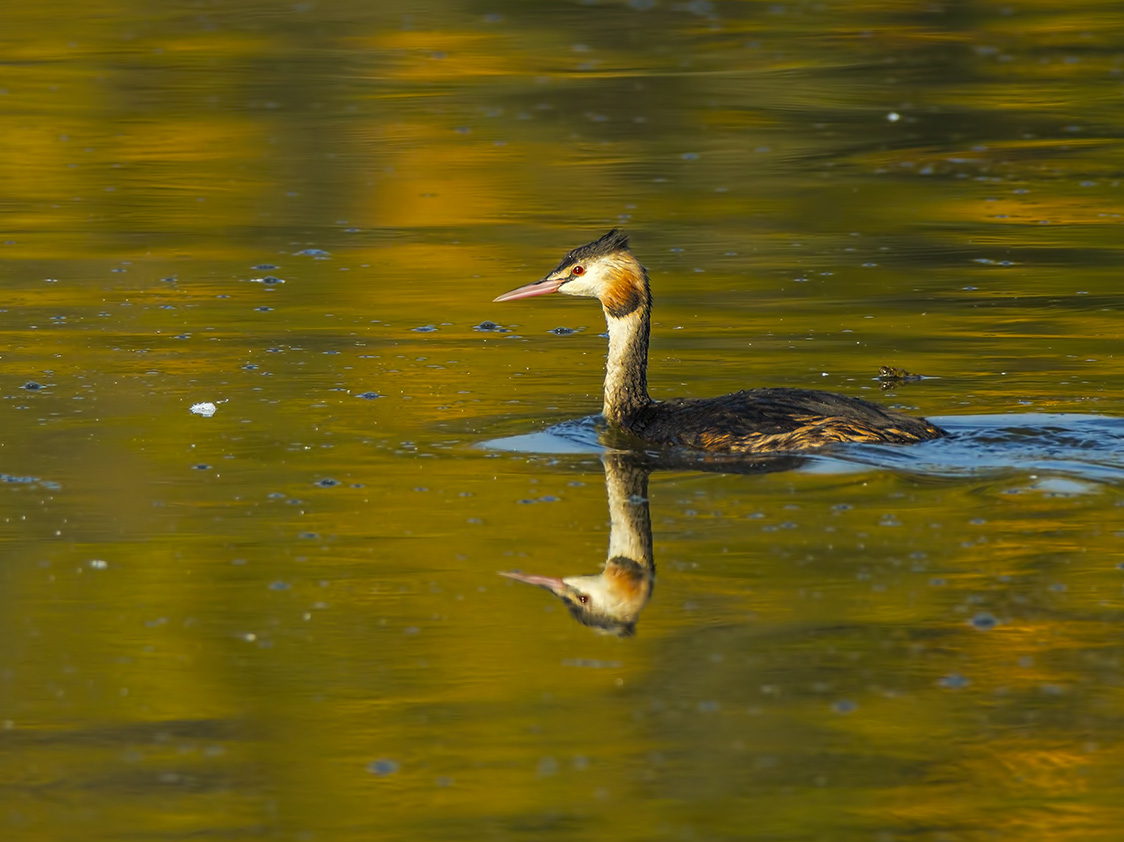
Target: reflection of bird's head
(604, 269)
(609, 601)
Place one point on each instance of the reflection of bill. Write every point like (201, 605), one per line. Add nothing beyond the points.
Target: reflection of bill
(611, 601)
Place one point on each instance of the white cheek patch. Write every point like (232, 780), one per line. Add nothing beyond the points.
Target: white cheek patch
(579, 286)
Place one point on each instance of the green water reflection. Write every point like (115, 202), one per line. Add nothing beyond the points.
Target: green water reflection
(284, 621)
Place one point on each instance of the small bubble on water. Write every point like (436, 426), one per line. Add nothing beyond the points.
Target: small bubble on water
(954, 681)
(984, 621)
(487, 326)
(382, 767)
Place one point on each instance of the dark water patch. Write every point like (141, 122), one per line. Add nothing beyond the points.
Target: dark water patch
(160, 732)
(487, 326)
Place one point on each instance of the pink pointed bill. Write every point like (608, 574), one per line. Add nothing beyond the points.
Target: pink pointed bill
(551, 583)
(542, 287)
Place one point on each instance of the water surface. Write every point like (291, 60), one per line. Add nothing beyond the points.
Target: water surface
(284, 621)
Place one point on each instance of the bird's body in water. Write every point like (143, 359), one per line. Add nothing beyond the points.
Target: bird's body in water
(752, 421)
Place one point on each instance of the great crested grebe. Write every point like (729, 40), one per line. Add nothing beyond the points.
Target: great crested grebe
(752, 421)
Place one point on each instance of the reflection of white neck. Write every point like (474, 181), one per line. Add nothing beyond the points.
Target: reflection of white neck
(626, 369)
(630, 524)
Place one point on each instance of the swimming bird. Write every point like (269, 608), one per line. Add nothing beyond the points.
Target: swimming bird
(750, 421)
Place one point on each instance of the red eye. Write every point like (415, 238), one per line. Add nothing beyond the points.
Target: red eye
(583, 598)
(578, 270)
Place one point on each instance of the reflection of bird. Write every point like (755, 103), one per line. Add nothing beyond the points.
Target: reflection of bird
(753, 421)
(611, 601)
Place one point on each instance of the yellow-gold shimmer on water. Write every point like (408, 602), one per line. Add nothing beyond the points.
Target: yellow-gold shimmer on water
(751, 421)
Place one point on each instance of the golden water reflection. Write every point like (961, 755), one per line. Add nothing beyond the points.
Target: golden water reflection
(284, 621)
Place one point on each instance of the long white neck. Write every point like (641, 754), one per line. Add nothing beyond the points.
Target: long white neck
(626, 369)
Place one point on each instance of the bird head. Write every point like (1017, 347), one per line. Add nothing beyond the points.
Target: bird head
(604, 269)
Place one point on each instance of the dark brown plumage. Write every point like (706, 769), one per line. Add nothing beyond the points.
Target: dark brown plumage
(753, 421)
(760, 420)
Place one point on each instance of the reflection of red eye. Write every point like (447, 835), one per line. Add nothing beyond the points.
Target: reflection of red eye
(583, 598)
(578, 270)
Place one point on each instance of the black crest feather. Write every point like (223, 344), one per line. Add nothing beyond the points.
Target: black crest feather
(615, 240)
